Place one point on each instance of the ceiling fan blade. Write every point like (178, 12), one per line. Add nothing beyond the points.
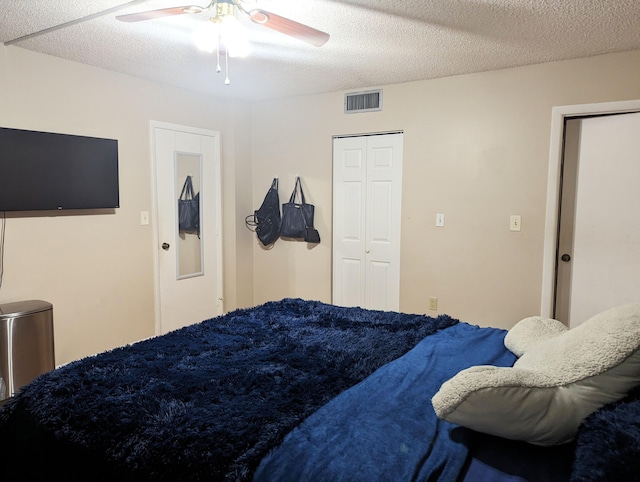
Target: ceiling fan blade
(289, 27)
(163, 12)
(76, 21)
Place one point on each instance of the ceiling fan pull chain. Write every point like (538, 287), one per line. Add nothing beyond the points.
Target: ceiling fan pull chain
(218, 68)
(226, 67)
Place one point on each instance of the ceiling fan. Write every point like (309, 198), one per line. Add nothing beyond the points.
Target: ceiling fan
(224, 8)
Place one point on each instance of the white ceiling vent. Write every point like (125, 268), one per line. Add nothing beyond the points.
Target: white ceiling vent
(363, 101)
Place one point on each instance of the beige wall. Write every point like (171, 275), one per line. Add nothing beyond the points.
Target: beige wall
(476, 149)
(97, 270)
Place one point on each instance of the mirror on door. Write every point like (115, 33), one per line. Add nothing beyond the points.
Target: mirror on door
(188, 176)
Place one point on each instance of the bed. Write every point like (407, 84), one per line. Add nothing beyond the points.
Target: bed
(300, 390)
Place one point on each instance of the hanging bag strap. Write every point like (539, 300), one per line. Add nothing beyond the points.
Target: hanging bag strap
(187, 190)
(297, 188)
(306, 224)
(311, 234)
(250, 221)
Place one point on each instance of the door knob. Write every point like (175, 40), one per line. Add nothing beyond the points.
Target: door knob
(166, 246)
(565, 257)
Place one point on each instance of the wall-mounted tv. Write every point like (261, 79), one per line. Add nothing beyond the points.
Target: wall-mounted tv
(46, 170)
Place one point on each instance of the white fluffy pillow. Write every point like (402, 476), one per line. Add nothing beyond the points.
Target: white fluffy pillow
(531, 331)
(554, 385)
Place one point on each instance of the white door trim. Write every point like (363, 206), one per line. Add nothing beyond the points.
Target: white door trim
(558, 115)
(154, 219)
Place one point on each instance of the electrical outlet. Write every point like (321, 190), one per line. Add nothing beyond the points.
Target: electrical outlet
(515, 222)
(433, 304)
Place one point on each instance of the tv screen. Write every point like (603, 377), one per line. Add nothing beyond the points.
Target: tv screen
(45, 170)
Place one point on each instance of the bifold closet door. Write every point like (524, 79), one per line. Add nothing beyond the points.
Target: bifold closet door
(367, 197)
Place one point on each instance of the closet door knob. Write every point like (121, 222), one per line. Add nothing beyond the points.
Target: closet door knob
(565, 257)
(166, 246)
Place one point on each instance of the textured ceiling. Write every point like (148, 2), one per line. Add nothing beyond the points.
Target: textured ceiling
(373, 42)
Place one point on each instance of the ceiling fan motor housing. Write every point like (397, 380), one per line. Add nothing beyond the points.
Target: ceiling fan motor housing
(224, 8)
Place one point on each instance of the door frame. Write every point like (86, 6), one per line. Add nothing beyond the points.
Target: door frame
(154, 219)
(554, 179)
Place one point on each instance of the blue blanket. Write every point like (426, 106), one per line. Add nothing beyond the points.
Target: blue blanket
(384, 428)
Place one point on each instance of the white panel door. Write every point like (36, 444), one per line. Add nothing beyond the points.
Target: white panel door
(605, 269)
(189, 265)
(367, 197)
(349, 190)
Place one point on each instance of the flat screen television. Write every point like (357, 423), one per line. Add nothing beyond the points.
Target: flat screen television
(47, 171)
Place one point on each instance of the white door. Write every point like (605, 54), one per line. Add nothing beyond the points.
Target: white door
(599, 265)
(367, 198)
(188, 263)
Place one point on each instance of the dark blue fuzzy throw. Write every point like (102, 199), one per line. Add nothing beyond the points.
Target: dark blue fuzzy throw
(206, 402)
(608, 443)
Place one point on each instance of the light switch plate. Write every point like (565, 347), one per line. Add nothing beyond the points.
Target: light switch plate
(515, 222)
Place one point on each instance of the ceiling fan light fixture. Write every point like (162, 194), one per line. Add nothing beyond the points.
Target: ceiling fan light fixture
(206, 37)
(234, 37)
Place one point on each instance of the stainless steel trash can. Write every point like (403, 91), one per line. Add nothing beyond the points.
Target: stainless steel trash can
(26, 344)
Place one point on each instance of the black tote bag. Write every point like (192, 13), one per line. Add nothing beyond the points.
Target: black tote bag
(296, 217)
(266, 219)
(188, 209)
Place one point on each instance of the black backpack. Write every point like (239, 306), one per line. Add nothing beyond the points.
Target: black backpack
(266, 220)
